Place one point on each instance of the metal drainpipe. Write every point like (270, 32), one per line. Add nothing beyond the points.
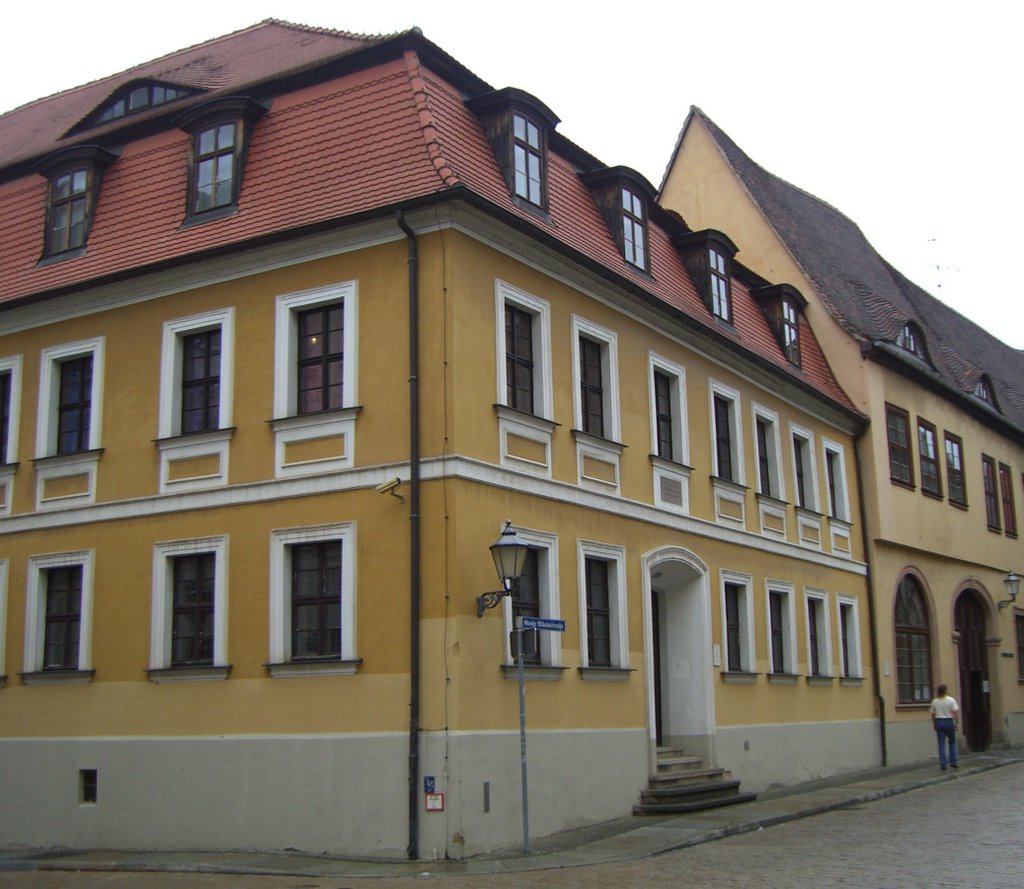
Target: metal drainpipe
(872, 613)
(414, 538)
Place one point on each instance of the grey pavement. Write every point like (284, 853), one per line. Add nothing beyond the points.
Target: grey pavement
(628, 839)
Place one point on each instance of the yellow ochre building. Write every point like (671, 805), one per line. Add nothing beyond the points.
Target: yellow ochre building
(292, 323)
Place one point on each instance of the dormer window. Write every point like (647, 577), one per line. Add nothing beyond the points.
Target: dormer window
(518, 126)
(74, 176)
(529, 160)
(984, 391)
(721, 297)
(133, 98)
(708, 257)
(782, 305)
(790, 327)
(220, 133)
(139, 98)
(213, 182)
(69, 204)
(911, 339)
(634, 229)
(624, 197)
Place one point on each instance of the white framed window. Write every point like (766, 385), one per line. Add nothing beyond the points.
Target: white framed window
(523, 350)
(819, 639)
(537, 597)
(781, 626)
(850, 664)
(196, 401)
(70, 420)
(10, 408)
(525, 404)
(313, 600)
(197, 374)
(835, 475)
(669, 426)
(805, 474)
(58, 617)
(595, 380)
(737, 622)
(670, 444)
(315, 379)
(189, 625)
(767, 441)
(604, 640)
(726, 432)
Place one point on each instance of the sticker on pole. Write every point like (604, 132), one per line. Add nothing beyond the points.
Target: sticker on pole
(542, 623)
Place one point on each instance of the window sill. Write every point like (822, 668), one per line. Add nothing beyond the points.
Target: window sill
(52, 460)
(541, 424)
(313, 668)
(914, 705)
(203, 216)
(728, 484)
(851, 681)
(958, 504)
(934, 495)
(197, 673)
(534, 672)
(190, 438)
(63, 256)
(909, 486)
(597, 441)
(300, 421)
(605, 674)
(58, 677)
(783, 678)
(737, 677)
(820, 681)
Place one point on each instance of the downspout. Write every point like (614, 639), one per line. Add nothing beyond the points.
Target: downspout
(876, 683)
(414, 537)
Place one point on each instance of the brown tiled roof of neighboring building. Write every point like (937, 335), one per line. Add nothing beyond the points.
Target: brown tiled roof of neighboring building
(334, 147)
(869, 298)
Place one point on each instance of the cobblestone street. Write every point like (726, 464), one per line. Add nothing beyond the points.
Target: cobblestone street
(966, 832)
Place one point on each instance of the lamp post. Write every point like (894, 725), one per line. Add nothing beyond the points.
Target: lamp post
(509, 556)
(1012, 584)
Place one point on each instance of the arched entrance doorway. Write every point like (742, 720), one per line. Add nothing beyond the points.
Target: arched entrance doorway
(975, 716)
(681, 704)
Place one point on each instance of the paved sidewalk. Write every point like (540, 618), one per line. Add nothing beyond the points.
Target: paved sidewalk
(626, 839)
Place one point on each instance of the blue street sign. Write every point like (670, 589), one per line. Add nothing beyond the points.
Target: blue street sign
(543, 623)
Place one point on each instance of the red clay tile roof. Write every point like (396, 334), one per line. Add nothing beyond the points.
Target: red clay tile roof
(867, 296)
(268, 49)
(365, 140)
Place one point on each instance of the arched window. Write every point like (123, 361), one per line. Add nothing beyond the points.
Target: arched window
(913, 644)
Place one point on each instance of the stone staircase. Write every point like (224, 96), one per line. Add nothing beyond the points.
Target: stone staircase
(683, 784)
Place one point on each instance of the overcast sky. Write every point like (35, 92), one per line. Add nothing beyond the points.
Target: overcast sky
(905, 115)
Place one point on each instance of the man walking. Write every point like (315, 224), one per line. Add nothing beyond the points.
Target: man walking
(946, 720)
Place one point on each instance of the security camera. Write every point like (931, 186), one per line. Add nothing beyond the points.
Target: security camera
(388, 486)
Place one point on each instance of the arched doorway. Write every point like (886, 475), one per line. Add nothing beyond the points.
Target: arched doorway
(975, 716)
(681, 704)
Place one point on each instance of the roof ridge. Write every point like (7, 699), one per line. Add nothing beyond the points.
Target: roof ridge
(427, 120)
(719, 135)
(333, 32)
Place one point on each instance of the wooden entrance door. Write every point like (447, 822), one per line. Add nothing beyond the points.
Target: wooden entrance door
(969, 622)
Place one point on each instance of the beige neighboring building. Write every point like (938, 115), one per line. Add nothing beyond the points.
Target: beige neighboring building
(942, 460)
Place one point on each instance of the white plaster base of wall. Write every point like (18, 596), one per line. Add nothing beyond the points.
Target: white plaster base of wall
(339, 794)
(575, 778)
(764, 756)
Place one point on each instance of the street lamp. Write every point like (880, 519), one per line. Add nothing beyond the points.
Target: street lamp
(1012, 584)
(509, 554)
